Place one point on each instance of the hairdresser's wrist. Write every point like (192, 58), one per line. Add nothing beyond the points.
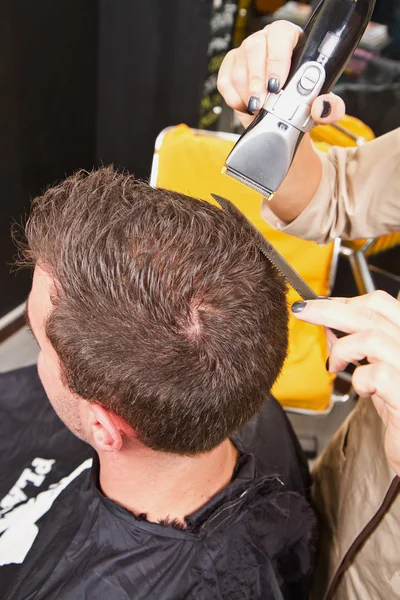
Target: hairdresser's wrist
(300, 185)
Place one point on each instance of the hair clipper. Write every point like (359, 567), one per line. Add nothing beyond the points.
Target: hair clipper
(264, 152)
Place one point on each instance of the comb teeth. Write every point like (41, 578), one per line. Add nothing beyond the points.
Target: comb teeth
(248, 182)
(266, 248)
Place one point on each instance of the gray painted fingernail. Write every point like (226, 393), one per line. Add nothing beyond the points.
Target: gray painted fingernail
(273, 85)
(298, 306)
(254, 104)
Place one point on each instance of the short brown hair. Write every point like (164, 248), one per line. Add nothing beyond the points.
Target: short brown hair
(165, 311)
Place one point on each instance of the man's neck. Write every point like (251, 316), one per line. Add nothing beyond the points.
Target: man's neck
(166, 487)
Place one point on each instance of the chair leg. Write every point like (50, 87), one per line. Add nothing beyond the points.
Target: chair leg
(361, 273)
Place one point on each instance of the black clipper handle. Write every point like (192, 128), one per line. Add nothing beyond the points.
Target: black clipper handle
(332, 33)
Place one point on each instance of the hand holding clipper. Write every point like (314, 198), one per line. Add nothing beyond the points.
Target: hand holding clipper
(263, 155)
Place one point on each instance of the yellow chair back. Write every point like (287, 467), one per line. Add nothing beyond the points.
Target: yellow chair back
(381, 244)
(348, 132)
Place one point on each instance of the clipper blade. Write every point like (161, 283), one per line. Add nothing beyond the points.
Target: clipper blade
(262, 156)
(248, 182)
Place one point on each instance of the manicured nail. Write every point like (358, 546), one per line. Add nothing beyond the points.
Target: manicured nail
(326, 109)
(253, 105)
(298, 306)
(273, 85)
(327, 364)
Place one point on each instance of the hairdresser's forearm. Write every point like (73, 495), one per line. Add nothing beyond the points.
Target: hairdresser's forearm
(300, 185)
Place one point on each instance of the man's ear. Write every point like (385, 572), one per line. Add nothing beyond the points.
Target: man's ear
(106, 429)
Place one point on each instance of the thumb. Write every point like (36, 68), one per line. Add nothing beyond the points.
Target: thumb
(327, 109)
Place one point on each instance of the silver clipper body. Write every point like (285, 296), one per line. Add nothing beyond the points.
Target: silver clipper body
(263, 156)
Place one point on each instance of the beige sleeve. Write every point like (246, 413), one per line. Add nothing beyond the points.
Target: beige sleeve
(359, 194)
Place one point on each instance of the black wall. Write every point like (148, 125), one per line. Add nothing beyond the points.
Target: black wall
(86, 82)
(152, 64)
(48, 68)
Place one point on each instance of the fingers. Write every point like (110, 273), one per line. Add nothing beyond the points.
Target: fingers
(232, 82)
(225, 82)
(262, 64)
(327, 109)
(349, 317)
(255, 55)
(282, 38)
(245, 71)
(373, 321)
(373, 344)
(332, 339)
(380, 302)
(380, 380)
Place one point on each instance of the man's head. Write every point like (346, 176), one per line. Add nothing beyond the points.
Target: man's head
(155, 308)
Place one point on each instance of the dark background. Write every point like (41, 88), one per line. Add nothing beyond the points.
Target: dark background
(47, 110)
(85, 83)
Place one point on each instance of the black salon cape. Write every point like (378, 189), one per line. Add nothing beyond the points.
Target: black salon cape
(61, 539)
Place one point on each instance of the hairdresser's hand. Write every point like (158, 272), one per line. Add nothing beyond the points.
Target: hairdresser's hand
(374, 321)
(262, 64)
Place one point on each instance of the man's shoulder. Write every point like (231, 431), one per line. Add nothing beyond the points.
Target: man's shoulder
(94, 547)
(41, 458)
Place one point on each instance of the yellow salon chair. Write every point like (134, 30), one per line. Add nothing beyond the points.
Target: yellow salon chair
(190, 161)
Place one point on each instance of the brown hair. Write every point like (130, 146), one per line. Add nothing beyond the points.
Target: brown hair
(165, 311)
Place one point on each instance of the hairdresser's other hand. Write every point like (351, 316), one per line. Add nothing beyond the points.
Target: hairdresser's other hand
(262, 64)
(374, 322)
